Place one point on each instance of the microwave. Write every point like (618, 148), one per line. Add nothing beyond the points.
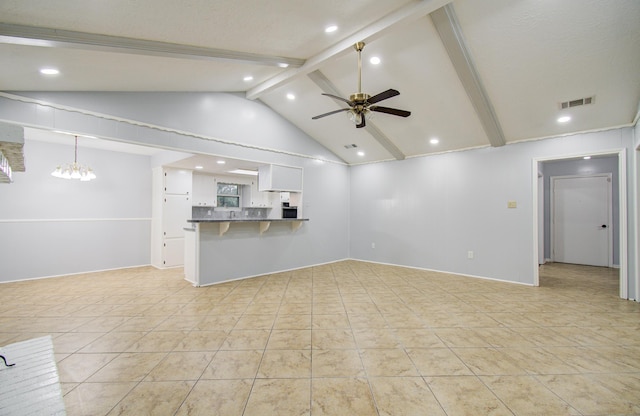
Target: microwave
(289, 212)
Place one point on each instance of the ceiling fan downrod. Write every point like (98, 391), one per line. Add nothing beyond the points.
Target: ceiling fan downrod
(359, 96)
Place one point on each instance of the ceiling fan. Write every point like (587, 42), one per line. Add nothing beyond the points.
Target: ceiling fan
(361, 104)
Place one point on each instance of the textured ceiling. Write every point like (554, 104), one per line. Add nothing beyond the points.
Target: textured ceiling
(474, 73)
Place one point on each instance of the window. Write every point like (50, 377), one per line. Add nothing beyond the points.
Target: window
(228, 195)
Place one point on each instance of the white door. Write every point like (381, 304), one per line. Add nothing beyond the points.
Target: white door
(581, 213)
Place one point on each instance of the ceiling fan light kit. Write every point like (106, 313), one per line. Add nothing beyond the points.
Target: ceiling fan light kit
(360, 104)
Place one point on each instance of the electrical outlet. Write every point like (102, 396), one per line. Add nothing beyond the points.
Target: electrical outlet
(469, 254)
(373, 245)
(512, 204)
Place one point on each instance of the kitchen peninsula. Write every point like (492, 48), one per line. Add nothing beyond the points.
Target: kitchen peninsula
(213, 245)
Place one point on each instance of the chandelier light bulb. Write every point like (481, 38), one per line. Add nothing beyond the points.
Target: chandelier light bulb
(74, 170)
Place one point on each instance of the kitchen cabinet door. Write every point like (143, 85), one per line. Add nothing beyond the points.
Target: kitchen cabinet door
(204, 190)
(177, 181)
(176, 212)
(173, 252)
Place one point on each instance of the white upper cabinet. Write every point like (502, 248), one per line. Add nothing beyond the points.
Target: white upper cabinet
(204, 190)
(279, 178)
(252, 197)
(177, 181)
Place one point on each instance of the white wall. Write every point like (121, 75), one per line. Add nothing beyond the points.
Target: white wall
(430, 212)
(51, 226)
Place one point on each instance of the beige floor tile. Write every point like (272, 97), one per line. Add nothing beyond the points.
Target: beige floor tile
(341, 396)
(217, 322)
(157, 341)
(127, 367)
(398, 396)
(332, 321)
(375, 338)
(201, 341)
(488, 361)
(216, 397)
(418, 338)
(233, 365)
(437, 362)
(76, 368)
(516, 393)
(180, 366)
(387, 363)
(154, 398)
(295, 308)
(337, 363)
(588, 396)
(95, 398)
(292, 321)
(466, 395)
(71, 342)
(113, 342)
(571, 337)
(332, 339)
(285, 364)
(279, 397)
(291, 339)
(246, 339)
(461, 337)
(544, 337)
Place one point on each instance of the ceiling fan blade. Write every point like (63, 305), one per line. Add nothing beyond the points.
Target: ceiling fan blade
(329, 113)
(383, 96)
(392, 111)
(339, 98)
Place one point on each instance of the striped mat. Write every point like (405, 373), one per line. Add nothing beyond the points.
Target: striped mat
(31, 386)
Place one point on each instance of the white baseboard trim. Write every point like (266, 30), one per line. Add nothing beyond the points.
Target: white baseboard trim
(74, 274)
(446, 272)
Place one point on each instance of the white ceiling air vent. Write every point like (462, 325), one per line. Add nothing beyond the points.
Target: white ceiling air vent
(577, 103)
(350, 146)
(11, 151)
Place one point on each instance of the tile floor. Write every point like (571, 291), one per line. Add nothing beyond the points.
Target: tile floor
(349, 338)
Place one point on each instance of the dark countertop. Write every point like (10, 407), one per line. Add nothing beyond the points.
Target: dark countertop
(247, 220)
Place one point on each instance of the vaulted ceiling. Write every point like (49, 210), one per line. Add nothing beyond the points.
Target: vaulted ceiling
(473, 73)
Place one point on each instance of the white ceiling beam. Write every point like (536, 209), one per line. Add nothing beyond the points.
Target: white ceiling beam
(410, 12)
(328, 87)
(55, 38)
(448, 28)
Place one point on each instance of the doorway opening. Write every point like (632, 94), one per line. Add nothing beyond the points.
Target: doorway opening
(571, 174)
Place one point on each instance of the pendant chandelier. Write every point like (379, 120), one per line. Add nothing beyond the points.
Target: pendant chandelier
(74, 170)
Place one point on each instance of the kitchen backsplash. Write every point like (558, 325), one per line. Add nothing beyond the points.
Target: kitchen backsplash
(218, 214)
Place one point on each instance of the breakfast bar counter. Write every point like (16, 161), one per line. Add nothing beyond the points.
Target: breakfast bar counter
(220, 250)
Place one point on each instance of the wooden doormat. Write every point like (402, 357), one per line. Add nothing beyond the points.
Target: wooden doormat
(31, 386)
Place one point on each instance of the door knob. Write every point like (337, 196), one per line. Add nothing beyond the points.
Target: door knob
(604, 225)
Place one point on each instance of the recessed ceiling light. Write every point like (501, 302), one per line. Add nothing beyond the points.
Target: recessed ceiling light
(291, 96)
(330, 29)
(247, 78)
(221, 162)
(434, 141)
(199, 167)
(49, 71)
(587, 157)
(564, 119)
(361, 153)
(283, 65)
(374, 60)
